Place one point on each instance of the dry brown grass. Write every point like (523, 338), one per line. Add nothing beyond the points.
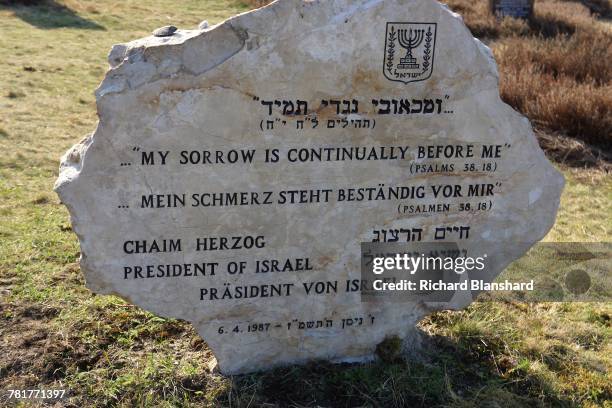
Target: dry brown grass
(555, 69)
(535, 83)
(574, 152)
(551, 18)
(602, 8)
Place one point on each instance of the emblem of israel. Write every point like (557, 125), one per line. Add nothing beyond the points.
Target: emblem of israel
(409, 51)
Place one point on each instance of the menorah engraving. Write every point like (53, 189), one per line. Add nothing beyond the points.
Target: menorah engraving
(409, 39)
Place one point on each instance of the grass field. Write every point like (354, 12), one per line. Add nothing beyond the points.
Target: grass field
(55, 334)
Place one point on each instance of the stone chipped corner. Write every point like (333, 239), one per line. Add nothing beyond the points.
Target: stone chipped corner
(71, 164)
(488, 53)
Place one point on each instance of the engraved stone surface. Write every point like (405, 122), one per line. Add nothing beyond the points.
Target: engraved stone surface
(236, 170)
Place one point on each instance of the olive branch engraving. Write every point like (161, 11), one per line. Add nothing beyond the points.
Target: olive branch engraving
(427, 50)
(391, 49)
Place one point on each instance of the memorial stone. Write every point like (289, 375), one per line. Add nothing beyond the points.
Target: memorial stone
(237, 168)
(512, 8)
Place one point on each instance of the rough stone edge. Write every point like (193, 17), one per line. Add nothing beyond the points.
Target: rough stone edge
(135, 51)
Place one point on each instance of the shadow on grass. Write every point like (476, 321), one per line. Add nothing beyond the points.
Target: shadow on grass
(449, 374)
(48, 14)
(549, 26)
(544, 26)
(601, 8)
